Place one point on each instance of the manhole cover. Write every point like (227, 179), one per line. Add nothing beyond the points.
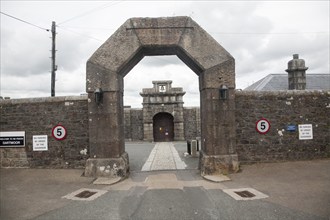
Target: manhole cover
(245, 194)
(85, 194)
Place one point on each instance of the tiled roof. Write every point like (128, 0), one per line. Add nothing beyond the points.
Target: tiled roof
(276, 82)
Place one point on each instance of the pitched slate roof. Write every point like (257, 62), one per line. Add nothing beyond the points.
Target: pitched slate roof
(276, 82)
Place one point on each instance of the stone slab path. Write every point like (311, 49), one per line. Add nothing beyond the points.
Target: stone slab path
(164, 156)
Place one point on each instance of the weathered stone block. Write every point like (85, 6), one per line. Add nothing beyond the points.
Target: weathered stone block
(108, 167)
(218, 164)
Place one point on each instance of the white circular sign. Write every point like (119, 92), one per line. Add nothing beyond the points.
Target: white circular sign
(263, 126)
(59, 132)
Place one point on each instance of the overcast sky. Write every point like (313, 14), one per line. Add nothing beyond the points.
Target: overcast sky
(262, 36)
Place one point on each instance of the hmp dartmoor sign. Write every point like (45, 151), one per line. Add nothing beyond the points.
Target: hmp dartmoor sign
(12, 139)
(139, 37)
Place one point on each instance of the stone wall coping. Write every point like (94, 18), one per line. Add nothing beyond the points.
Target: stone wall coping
(153, 94)
(43, 100)
(191, 107)
(172, 90)
(134, 109)
(283, 92)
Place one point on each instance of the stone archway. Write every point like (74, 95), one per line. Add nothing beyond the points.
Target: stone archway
(163, 127)
(139, 37)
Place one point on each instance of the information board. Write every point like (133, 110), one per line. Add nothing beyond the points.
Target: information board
(40, 142)
(12, 139)
(305, 131)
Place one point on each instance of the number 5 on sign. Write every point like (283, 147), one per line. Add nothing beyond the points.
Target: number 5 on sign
(59, 132)
(263, 126)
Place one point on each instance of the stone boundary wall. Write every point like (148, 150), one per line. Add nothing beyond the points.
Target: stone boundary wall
(37, 116)
(133, 118)
(192, 126)
(282, 109)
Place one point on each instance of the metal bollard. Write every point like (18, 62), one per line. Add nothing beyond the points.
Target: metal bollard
(189, 147)
(198, 139)
(194, 148)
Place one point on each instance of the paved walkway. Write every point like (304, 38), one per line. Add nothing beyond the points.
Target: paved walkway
(164, 157)
(294, 190)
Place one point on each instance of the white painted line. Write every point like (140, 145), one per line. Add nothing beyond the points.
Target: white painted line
(106, 180)
(216, 178)
(179, 164)
(148, 163)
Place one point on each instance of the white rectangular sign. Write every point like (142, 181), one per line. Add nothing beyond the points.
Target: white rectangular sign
(40, 142)
(12, 139)
(305, 132)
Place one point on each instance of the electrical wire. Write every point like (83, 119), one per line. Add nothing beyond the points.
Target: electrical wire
(91, 11)
(83, 35)
(26, 22)
(90, 28)
(59, 25)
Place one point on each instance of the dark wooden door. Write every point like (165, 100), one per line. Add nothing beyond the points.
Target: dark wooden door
(163, 127)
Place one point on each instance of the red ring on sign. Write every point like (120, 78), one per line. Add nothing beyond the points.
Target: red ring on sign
(263, 132)
(59, 138)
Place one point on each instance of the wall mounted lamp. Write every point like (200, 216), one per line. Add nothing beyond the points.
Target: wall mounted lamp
(223, 92)
(98, 95)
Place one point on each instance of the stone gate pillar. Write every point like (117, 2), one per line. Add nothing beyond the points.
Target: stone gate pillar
(106, 124)
(218, 130)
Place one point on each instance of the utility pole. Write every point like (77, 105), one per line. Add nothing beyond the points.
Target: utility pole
(54, 67)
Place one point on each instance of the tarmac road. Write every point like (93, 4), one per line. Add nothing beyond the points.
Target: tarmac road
(295, 190)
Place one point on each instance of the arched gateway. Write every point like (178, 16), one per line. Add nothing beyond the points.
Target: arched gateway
(163, 127)
(139, 37)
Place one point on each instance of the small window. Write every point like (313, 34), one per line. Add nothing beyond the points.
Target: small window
(162, 88)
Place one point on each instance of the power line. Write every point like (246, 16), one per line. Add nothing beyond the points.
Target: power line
(26, 22)
(83, 35)
(53, 31)
(91, 11)
(90, 28)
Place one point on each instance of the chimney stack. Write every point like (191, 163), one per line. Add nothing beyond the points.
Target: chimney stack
(297, 73)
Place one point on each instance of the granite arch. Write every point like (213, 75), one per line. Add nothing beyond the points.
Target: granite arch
(139, 37)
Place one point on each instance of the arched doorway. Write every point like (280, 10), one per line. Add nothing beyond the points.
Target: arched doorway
(140, 37)
(163, 127)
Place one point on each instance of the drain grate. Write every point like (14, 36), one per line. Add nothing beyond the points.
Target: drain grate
(85, 194)
(245, 194)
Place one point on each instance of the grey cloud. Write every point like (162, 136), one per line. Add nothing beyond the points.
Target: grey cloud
(156, 61)
(18, 87)
(282, 47)
(255, 54)
(73, 50)
(30, 55)
(24, 56)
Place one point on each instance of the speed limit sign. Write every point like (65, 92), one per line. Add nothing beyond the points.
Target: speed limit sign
(263, 126)
(59, 132)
